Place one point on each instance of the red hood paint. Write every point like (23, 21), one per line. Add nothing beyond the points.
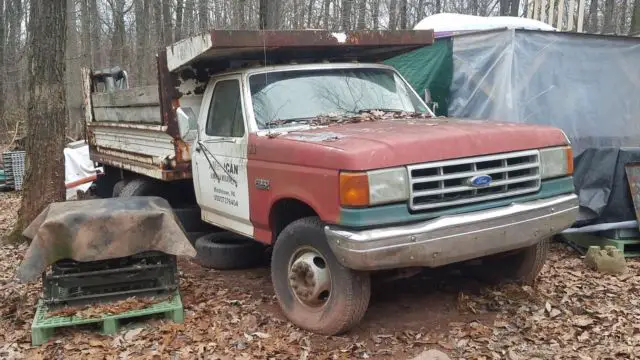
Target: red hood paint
(387, 143)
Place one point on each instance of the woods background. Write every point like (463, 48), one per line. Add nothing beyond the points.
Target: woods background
(127, 33)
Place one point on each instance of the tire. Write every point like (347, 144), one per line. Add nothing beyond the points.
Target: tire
(521, 266)
(227, 251)
(117, 188)
(303, 245)
(139, 187)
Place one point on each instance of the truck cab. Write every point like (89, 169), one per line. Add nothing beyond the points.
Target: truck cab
(341, 168)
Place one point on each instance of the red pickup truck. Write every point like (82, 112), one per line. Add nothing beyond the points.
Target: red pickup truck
(302, 140)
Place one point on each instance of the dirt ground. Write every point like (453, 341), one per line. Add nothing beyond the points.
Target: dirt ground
(573, 313)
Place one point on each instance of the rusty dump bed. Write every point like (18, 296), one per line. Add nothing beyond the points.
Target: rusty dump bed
(136, 129)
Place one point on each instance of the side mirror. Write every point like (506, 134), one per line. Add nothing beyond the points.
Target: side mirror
(429, 100)
(427, 96)
(187, 123)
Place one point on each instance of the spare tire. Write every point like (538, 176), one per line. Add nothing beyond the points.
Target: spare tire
(140, 187)
(227, 251)
(117, 188)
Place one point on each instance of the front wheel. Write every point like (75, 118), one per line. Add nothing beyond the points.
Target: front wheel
(314, 290)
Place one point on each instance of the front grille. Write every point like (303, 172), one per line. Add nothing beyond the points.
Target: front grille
(446, 183)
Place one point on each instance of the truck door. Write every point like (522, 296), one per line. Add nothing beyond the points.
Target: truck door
(220, 157)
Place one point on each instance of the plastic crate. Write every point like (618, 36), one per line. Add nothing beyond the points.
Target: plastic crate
(70, 282)
(14, 168)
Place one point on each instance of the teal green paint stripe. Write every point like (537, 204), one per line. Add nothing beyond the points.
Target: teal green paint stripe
(399, 213)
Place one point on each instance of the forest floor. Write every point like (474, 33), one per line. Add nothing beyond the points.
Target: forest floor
(573, 313)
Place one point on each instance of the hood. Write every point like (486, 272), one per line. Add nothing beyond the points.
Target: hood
(386, 143)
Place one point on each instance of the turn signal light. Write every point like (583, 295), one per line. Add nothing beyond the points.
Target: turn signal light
(354, 189)
(569, 151)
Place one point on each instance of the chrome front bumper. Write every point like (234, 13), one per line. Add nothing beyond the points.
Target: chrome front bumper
(455, 238)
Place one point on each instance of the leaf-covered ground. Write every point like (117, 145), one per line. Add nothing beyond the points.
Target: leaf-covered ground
(573, 313)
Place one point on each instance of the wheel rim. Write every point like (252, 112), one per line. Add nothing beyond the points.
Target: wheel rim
(309, 277)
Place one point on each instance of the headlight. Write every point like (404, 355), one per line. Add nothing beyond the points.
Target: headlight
(374, 187)
(556, 162)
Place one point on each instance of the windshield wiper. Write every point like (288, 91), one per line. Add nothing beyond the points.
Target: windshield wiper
(288, 121)
(380, 109)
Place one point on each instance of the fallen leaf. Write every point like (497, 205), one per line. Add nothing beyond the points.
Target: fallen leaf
(131, 334)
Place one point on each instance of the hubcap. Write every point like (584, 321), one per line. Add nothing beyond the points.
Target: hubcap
(309, 277)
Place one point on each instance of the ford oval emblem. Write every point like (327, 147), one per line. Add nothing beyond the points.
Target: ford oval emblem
(480, 181)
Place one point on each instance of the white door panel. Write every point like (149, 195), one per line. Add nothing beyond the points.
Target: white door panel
(220, 158)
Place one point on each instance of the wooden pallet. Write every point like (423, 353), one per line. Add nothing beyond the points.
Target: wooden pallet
(44, 327)
(629, 247)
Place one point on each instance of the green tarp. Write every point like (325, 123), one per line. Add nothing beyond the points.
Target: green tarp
(430, 67)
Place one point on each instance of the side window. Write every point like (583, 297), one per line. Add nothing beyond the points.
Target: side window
(225, 112)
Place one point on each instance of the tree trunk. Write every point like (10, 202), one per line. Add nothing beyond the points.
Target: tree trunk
(168, 26)
(85, 28)
(592, 24)
(375, 14)
(403, 14)
(203, 14)
(269, 14)
(118, 37)
(635, 19)
(14, 14)
(325, 14)
(393, 14)
(47, 111)
(241, 20)
(504, 7)
(179, 13)
(362, 11)
(608, 22)
(345, 15)
(515, 8)
(2, 44)
(189, 26)
(158, 36)
(142, 41)
(95, 33)
(312, 4)
(438, 8)
(623, 18)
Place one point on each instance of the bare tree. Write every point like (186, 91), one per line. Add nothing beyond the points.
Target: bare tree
(345, 15)
(47, 110)
(269, 14)
(203, 14)
(393, 14)
(375, 14)
(2, 45)
(167, 33)
(592, 22)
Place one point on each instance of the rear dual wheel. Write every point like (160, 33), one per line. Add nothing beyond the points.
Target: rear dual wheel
(315, 291)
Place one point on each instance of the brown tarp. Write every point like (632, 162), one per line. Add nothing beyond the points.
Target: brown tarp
(91, 230)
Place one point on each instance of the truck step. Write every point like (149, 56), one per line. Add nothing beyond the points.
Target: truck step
(43, 326)
(629, 247)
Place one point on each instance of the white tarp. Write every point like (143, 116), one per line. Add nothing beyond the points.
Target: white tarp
(446, 22)
(585, 84)
(78, 168)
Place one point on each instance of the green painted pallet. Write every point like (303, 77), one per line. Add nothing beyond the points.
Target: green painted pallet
(43, 328)
(629, 247)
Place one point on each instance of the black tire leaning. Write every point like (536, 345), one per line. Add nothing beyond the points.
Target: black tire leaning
(139, 187)
(227, 251)
(350, 290)
(117, 188)
(521, 266)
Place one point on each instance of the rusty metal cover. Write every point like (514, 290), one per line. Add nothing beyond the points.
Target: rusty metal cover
(91, 230)
(283, 46)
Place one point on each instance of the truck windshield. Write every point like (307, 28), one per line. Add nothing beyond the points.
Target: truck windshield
(298, 96)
